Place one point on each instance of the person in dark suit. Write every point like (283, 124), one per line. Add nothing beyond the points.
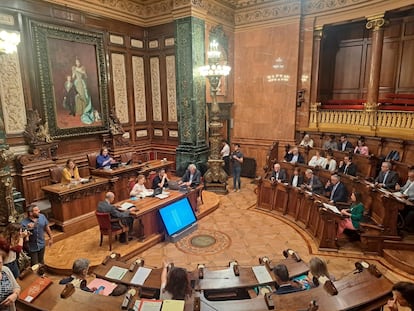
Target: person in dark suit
(285, 286)
(126, 218)
(347, 166)
(297, 178)
(294, 156)
(161, 180)
(337, 190)
(387, 178)
(278, 174)
(313, 183)
(344, 144)
(192, 176)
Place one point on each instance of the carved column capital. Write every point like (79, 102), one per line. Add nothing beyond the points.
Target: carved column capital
(375, 22)
(317, 33)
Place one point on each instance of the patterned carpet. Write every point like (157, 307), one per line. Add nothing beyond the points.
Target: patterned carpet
(204, 242)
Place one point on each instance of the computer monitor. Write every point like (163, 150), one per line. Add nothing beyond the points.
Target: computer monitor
(177, 216)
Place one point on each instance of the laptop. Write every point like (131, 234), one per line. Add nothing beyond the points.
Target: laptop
(173, 185)
(115, 165)
(156, 192)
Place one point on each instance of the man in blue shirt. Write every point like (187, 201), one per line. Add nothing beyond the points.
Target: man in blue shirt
(37, 224)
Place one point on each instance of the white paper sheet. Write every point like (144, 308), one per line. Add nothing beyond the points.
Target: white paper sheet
(140, 276)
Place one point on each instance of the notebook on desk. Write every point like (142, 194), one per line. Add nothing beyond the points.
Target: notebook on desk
(332, 208)
(126, 206)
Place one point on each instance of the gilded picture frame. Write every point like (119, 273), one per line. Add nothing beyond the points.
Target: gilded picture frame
(73, 84)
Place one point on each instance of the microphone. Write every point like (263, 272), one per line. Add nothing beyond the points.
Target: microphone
(200, 268)
(269, 301)
(234, 264)
(359, 268)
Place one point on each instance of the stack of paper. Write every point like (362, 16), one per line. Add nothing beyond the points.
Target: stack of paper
(173, 305)
(140, 276)
(126, 205)
(331, 208)
(116, 273)
(150, 305)
(262, 275)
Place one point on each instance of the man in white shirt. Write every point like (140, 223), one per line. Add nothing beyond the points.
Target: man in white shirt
(225, 154)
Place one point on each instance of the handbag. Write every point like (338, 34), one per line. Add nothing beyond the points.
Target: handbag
(23, 260)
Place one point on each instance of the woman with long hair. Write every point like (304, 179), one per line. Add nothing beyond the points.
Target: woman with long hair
(175, 284)
(12, 243)
(70, 172)
(354, 214)
(10, 290)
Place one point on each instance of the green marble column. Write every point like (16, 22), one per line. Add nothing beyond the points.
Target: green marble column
(191, 98)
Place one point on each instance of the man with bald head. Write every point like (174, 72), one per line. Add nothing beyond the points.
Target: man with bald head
(278, 174)
(107, 207)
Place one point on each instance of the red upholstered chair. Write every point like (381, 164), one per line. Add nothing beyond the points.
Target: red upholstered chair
(105, 226)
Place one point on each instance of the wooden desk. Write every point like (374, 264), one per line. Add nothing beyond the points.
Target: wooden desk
(80, 300)
(148, 209)
(120, 176)
(74, 206)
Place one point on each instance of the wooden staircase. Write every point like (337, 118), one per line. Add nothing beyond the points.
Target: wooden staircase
(400, 253)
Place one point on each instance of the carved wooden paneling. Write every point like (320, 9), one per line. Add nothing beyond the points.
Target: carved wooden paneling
(139, 88)
(407, 63)
(156, 89)
(120, 88)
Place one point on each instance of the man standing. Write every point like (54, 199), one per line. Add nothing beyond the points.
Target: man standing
(37, 224)
(236, 160)
(125, 216)
(386, 178)
(338, 192)
(225, 154)
(278, 174)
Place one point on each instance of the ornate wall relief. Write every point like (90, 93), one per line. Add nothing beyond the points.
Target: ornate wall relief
(156, 89)
(120, 89)
(139, 88)
(171, 89)
(11, 92)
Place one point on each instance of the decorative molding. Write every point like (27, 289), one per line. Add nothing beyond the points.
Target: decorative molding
(120, 88)
(6, 19)
(156, 88)
(139, 88)
(172, 133)
(11, 94)
(169, 42)
(375, 22)
(153, 44)
(137, 43)
(171, 89)
(116, 39)
(318, 6)
(141, 133)
(280, 9)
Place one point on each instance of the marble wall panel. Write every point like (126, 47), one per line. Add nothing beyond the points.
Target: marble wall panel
(139, 88)
(11, 94)
(120, 88)
(156, 89)
(265, 75)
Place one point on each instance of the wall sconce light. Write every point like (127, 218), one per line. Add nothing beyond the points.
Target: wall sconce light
(9, 41)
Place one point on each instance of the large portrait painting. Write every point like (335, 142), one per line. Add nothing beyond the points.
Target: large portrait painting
(73, 84)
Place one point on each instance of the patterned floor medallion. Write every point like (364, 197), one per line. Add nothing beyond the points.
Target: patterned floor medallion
(204, 242)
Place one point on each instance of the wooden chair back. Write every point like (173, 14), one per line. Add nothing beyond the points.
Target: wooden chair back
(92, 160)
(56, 174)
(105, 227)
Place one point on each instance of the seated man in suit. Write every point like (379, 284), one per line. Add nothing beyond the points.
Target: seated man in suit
(161, 180)
(192, 177)
(347, 166)
(285, 286)
(297, 178)
(344, 144)
(337, 190)
(386, 178)
(278, 174)
(294, 156)
(408, 192)
(313, 183)
(125, 216)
